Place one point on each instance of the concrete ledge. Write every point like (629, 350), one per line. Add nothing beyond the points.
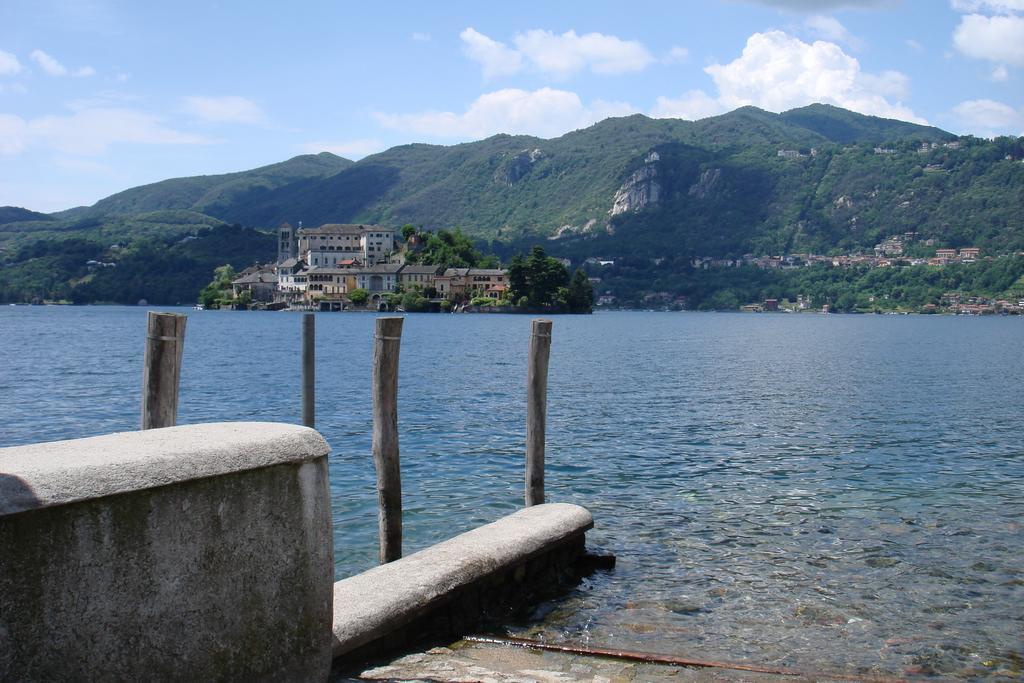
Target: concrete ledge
(61, 472)
(385, 599)
(191, 553)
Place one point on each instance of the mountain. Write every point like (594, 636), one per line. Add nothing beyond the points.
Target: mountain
(817, 179)
(167, 208)
(215, 194)
(16, 214)
(847, 127)
(518, 186)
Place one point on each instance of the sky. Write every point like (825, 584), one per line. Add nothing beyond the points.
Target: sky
(97, 96)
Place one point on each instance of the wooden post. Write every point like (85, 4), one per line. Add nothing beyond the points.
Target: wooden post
(386, 345)
(536, 410)
(161, 369)
(308, 370)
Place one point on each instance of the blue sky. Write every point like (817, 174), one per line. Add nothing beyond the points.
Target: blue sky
(100, 95)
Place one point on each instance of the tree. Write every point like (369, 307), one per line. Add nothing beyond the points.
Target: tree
(450, 249)
(538, 277)
(408, 230)
(580, 298)
(414, 302)
(518, 282)
(546, 275)
(358, 296)
(214, 292)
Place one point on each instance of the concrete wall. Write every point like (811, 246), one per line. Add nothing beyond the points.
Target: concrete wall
(191, 553)
(447, 590)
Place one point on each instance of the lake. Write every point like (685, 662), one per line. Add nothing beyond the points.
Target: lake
(813, 491)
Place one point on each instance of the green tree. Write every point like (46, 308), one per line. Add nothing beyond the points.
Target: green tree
(538, 277)
(580, 298)
(218, 290)
(414, 302)
(408, 230)
(358, 296)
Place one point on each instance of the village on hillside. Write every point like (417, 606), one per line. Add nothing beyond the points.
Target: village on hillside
(336, 267)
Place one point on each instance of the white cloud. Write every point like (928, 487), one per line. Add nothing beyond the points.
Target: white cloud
(497, 59)
(914, 45)
(226, 109)
(831, 29)
(696, 104)
(86, 166)
(998, 39)
(568, 53)
(676, 55)
(350, 149)
(47, 63)
(105, 99)
(13, 134)
(887, 83)
(558, 55)
(779, 72)
(992, 6)
(545, 113)
(988, 118)
(89, 131)
(9, 64)
(1000, 74)
(52, 67)
(421, 37)
(816, 5)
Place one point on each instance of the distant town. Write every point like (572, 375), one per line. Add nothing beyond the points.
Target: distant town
(335, 267)
(890, 253)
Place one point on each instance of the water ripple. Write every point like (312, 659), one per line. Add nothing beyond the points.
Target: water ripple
(824, 492)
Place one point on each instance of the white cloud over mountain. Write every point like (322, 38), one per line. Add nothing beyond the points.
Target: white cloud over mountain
(556, 55)
(693, 105)
(989, 118)
(777, 72)
(546, 112)
(88, 131)
(225, 109)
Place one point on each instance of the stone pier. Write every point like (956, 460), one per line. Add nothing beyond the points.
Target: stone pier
(188, 553)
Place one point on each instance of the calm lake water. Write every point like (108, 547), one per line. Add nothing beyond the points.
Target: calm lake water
(820, 492)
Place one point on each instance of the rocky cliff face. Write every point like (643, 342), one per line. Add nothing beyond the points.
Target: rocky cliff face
(518, 166)
(640, 190)
(706, 183)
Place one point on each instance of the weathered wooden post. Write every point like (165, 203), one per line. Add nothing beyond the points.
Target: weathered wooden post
(161, 369)
(536, 410)
(308, 370)
(386, 345)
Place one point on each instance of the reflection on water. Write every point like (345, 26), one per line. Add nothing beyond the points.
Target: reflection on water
(831, 492)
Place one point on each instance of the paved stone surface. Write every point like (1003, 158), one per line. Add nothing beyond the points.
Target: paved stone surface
(60, 472)
(385, 598)
(485, 663)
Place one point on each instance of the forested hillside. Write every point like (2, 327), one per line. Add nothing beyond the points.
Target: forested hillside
(660, 192)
